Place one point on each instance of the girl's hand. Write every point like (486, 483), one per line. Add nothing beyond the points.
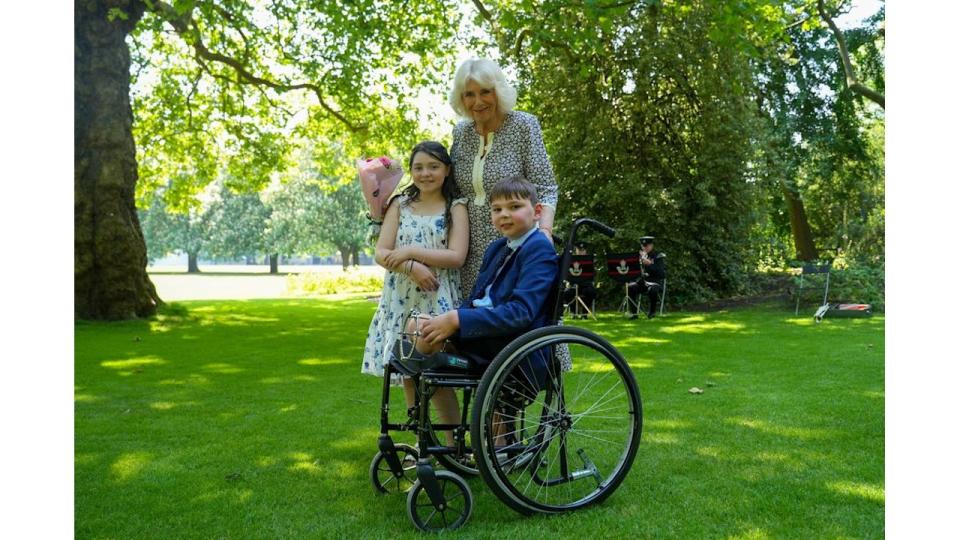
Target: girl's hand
(397, 256)
(424, 278)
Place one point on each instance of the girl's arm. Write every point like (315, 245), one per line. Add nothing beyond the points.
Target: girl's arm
(452, 257)
(388, 237)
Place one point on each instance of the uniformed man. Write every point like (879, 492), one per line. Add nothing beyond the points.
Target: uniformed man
(655, 271)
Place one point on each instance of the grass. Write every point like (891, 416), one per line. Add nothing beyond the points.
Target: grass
(250, 419)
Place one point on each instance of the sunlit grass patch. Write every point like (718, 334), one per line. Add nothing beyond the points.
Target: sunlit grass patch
(132, 363)
(866, 491)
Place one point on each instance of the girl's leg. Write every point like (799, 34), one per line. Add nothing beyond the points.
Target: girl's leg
(444, 400)
(408, 391)
(448, 409)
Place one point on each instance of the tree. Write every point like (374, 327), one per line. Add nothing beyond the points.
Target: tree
(817, 145)
(218, 75)
(312, 213)
(237, 224)
(850, 73)
(167, 230)
(647, 119)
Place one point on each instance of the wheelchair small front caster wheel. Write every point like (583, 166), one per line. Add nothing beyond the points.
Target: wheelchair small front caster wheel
(453, 513)
(385, 480)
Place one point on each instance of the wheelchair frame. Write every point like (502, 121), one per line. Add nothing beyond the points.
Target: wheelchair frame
(522, 456)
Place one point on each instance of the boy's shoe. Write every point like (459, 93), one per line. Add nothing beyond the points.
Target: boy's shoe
(632, 316)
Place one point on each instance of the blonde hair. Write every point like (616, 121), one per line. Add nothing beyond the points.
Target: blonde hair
(487, 74)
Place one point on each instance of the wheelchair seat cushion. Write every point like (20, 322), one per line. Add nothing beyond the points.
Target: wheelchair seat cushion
(408, 361)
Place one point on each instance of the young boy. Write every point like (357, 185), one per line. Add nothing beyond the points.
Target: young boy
(516, 276)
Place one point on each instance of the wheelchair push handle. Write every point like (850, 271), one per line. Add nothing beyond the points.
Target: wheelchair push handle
(572, 237)
(602, 227)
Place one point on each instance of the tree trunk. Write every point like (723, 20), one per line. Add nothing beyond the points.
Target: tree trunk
(110, 255)
(344, 257)
(799, 226)
(355, 254)
(192, 266)
(274, 260)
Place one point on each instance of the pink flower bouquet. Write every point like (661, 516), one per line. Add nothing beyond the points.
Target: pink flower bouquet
(378, 178)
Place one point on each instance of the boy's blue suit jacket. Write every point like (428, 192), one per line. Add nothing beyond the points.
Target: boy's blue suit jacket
(519, 293)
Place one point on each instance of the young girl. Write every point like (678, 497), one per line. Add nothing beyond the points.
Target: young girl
(423, 243)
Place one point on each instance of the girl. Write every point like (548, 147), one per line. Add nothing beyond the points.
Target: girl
(423, 243)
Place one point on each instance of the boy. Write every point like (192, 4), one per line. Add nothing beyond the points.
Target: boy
(516, 276)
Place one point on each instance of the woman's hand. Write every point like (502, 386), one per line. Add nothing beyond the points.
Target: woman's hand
(548, 233)
(397, 256)
(423, 277)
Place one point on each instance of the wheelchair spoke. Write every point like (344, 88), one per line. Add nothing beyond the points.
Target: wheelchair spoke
(583, 389)
(600, 401)
(592, 437)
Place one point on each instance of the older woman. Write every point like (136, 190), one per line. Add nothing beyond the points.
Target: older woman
(491, 143)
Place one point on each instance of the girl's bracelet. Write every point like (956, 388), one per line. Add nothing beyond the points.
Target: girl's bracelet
(410, 266)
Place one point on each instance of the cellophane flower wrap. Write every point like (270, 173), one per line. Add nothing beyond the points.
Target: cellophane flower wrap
(378, 178)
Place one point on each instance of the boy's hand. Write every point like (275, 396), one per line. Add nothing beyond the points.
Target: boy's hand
(424, 278)
(397, 256)
(439, 328)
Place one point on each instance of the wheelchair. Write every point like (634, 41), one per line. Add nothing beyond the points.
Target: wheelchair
(545, 437)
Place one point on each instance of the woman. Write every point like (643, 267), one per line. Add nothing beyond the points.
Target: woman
(491, 143)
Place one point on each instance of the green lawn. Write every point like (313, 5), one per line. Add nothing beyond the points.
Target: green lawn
(250, 419)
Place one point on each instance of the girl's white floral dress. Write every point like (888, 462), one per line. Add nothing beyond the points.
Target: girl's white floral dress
(400, 292)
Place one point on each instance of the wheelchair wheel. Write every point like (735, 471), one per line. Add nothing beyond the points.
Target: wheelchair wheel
(455, 513)
(551, 441)
(383, 478)
(463, 464)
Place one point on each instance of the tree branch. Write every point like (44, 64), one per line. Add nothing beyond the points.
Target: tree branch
(483, 11)
(852, 83)
(798, 22)
(182, 25)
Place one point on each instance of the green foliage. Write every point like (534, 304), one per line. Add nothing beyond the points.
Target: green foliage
(166, 230)
(688, 121)
(313, 213)
(821, 141)
(223, 86)
(337, 281)
(854, 284)
(685, 120)
(648, 121)
(237, 224)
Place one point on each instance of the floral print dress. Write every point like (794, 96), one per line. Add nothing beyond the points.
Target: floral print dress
(400, 291)
(516, 149)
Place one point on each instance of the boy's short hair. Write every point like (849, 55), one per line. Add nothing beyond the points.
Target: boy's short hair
(514, 187)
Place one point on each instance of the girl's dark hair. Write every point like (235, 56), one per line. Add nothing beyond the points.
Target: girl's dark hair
(449, 189)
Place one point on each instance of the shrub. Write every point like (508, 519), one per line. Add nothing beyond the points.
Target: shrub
(857, 283)
(336, 280)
